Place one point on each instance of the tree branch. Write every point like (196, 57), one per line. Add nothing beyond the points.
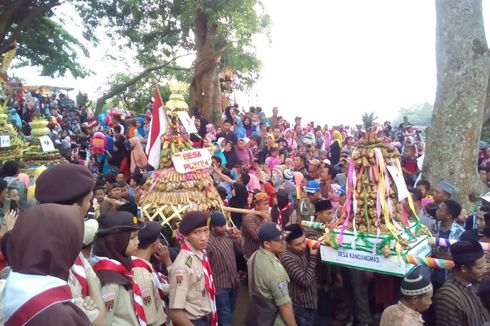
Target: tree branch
(7, 17)
(33, 14)
(121, 88)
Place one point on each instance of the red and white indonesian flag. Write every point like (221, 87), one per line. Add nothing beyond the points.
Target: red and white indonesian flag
(158, 127)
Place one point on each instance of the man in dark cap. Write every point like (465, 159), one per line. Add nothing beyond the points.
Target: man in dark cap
(457, 301)
(223, 245)
(301, 268)
(71, 184)
(152, 289)
(283, 212)
(66, 184)
(268, 281)
(416, 297)
(192, 289)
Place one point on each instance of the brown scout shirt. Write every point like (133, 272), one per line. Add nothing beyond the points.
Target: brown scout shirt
(152, 303)
(76, 289)
(187, 285)
(119, 304)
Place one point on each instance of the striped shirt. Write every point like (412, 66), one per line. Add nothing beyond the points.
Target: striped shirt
(302, 275)
(457, 304)
(221, 252)
(250, 231)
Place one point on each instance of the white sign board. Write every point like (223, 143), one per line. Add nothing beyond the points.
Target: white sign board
(4, 141)
(401, 186)
(193, 160)
(363, 260)
(46, 144)
(187, 122)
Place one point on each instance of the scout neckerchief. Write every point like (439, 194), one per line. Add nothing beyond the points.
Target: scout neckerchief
(138, 262)
(208, 279)
(281, 211)
(78, 271)
(27, 295)
(106, 264)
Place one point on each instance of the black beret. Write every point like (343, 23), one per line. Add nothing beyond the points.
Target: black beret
(117, 222)
(150, 233)
(129, 207)
(193, 220)
(466, 252)
(64, 184)
(282, 193)
(217, 219)
(295, 232)
(270, 231)
(323, 205)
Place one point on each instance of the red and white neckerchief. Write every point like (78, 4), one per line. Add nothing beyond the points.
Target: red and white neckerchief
(107, 264)
(78, 271)
(138, 262)
(281, 211)
(27, 295)
(208, 279)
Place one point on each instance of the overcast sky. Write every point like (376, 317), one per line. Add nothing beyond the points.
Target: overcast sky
(330, 61)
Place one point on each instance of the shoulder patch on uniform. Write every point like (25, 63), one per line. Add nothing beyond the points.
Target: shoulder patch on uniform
(281, 285)
(188, 262)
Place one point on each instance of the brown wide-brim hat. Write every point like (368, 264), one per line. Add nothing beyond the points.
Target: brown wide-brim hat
(64, 184)
(118, 222)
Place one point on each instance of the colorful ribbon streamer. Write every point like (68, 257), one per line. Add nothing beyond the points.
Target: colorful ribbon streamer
(442, 242)
(313, 225)
(429, 262)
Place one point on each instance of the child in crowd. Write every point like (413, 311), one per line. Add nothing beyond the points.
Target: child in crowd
(409, 165)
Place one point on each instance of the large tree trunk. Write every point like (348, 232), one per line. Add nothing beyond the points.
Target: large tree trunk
(463, 68)
(205, 87)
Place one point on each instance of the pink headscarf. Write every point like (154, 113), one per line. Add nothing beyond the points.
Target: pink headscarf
(138, 156)
(254, 182)
(25, 179)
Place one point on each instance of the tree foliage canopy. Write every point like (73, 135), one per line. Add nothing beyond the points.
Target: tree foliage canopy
(159, 29)
(41, 40)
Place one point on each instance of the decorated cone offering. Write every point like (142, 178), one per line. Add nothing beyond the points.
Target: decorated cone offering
(374, 231)
(183, 182)
(11, 144)
(41, 150)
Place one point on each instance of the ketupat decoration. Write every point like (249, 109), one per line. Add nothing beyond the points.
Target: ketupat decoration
(168, 194)
(35, 155)
(374, 231)
(11, 144)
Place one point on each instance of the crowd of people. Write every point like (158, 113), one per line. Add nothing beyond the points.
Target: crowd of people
(76, 250)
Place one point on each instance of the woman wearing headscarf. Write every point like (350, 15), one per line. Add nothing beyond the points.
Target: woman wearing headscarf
(36, 291)
(140, 128)
(138, 156)
(120, 159)
(231, 157)
(335, 147)
(219, 149)
(238, 200)
(248, 126)
(116, 241)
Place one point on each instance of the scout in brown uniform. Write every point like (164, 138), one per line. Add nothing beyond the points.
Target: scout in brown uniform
(152, 289)
(115, 242)
(190, 299)
(71, 184)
